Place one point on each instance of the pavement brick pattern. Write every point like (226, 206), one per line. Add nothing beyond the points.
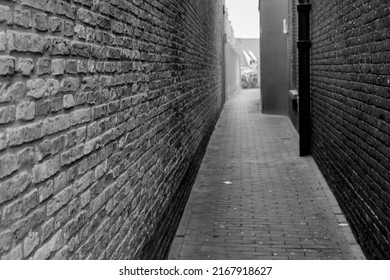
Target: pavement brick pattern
(255, 198)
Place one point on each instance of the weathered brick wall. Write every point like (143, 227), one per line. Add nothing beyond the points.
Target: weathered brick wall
(293, 59)
(292, 44)
(105, 107)
(350, 81)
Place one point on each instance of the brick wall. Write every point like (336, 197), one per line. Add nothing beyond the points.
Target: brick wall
(293, 60)
(350, 82)
(105, 110)
(292, 44)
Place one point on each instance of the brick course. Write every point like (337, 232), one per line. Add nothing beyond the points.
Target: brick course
(350, 112)
(105, 111)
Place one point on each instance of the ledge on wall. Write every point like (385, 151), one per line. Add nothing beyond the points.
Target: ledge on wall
(294, 95)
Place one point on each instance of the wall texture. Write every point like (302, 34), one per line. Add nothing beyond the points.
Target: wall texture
(105, 107)
(293, 60)
(350, 81)
(232, 70)
(273, 57)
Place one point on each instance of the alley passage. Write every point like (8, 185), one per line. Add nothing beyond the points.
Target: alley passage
(255, 198)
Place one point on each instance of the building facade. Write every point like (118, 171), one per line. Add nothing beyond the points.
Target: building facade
(350, 109)
(105, 110)
(273, 56)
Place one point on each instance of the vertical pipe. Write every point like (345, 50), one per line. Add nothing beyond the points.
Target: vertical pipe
(304, 45)
(224, 40)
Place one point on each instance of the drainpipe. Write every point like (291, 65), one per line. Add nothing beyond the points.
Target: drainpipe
(224, 40)
(304, 45)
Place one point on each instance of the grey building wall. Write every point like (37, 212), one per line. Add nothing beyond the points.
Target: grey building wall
(232, 70)
(273, 57)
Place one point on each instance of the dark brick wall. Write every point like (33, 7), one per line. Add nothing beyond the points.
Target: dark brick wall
(293, 60)
(105, 110)
(292, 44)
(350, 83)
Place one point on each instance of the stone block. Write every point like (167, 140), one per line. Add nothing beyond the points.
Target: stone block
(22, 18)
(47, 229)
(42, 88)
(26, 157)
(14, 186)
(59, 200)
(41, 22)
(7, 114)
(30, 243)
(56, 124)
(5, 14)
(49, 247)
(5, 240)
(72, 155)
(70, 84)
(15, 254)
(46, 190)
(58, 67)
(43, 66)
(25, 66)
(46, 169)
(7, 65)
(8, 165)
(55, 24)
(25, 111)
(80, 116)
(25, 133)
(21, 227)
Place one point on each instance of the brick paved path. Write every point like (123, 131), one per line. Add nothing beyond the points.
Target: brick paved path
(277, 206)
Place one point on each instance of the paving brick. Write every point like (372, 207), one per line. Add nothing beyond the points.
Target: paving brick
(255, 198)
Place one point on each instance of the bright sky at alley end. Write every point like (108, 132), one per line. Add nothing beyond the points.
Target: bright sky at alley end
(244, 15)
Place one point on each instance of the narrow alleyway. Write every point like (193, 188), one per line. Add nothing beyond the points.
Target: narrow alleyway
(255, 198)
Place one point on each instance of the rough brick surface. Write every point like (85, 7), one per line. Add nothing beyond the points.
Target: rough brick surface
(105, 109)
(350, 85)
(293, 59)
